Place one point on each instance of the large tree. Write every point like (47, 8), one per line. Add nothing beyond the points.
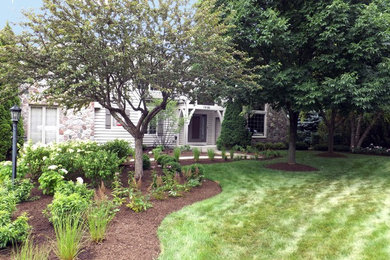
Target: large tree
(322, 55)
(350, 63)
(115, 51)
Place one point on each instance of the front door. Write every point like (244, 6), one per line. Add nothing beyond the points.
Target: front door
(197, 128)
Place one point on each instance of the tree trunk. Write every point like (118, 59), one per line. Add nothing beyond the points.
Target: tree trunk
(138, 158)
(368, 129)
(331, 130)
(293, 117)
(353, 143)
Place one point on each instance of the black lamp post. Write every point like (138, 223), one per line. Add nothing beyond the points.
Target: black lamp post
(15, 116)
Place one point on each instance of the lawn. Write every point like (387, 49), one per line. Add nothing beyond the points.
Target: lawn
(341, 211)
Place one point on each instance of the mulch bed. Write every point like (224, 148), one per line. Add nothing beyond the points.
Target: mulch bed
(331, 155)
(291, 167)
(130, 235)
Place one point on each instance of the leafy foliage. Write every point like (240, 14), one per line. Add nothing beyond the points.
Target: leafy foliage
(120, 147)
(146, 162)
(196, 153)
(234, 130)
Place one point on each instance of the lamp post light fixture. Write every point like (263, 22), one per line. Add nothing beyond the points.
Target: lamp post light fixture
(15, 116)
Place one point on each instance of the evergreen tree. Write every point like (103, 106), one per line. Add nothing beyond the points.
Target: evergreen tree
(234, 130)
(8, 99)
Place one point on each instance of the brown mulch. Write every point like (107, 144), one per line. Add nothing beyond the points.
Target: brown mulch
(331, 155)
(130, 235)
(291, 167)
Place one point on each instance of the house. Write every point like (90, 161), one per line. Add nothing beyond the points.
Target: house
(202, 123)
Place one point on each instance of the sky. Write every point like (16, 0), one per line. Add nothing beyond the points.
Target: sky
(10, 10)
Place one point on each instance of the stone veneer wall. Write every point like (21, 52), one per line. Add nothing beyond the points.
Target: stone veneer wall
(72, 125)
(277, 127)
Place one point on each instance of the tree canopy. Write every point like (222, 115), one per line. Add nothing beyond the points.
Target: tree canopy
(117, 52)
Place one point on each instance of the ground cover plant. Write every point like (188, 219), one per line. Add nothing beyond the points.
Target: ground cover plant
(339, 211)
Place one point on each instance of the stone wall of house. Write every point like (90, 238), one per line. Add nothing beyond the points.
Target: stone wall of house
(72, 125)
(277, 127)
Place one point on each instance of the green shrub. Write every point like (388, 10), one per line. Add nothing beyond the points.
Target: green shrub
(231, 153)
(6, 126)
(172, 166)
(138, 202)
(165, 159)
(100, 166)
(99, 216)
(66, 206)
(21, 189)
(302, 146)
(270, 154)
(234, 127)
(196, 153)
(15, 231)
(211, 154)
(320, 147)
(49, 180)
(69, 232)
(223, 153)
(156, 153)
(69, 187)
(185, 148)
(5, 170)
(193, 171)
(34, 157)
(121, 148)
(145, 162)
(176, 153)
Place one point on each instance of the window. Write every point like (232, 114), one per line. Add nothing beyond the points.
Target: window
(152, 127)
(257, 121)
(256, 124)
(43, 124)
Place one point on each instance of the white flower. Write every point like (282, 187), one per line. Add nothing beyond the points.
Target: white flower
(44, 158)
(79, 180)
(6, 163)
(71, 150)
(63, 171)
(52, 167)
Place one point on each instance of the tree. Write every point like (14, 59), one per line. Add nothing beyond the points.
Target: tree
(234, 130)
(8, 99)
(315, 55)
(351, 52)
(273, 33)
(115, 51)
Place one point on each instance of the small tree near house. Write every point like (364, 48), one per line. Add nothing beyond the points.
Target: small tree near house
(114, 52)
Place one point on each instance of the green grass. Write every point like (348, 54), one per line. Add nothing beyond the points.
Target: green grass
(341, 211)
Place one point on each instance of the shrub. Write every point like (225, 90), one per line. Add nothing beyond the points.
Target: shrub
(100, 166)
(165, 159)
(223, 153)
(156, 153)
(28, 251)
(196, 153)
(69, 232)
(211, 154)
(138, 202)
(49, 180)
(172, 166)
(14, 231)
(145, 162)
(231, 153)
(302, 146)
(34, 157)
(270, 154)
(5, 170)
(320, 147)
(66, 206)
(185, 148)
(234, 127)
(120, 147)
(21, 189)
(69, 187)
(6, 126)
(176, 153)
(193, 171)
(99, 216)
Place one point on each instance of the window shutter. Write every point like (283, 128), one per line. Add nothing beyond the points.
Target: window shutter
(108, 119)
(160, 127)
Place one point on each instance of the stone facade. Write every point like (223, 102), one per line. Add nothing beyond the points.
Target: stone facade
(277, 127)
(70, 124)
